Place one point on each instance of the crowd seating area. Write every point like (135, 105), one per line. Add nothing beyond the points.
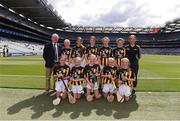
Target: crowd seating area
(18, 47)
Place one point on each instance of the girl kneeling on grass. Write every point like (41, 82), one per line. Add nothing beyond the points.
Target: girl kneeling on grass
(125, 78)
(92, 73)
(108, 78)
(61, 74)
(77, 78)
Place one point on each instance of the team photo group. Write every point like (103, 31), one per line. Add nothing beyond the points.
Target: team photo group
(94, 71)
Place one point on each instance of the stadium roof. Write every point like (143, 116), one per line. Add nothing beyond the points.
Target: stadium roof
(173, 26)
(42, 13)
(39, 11)
(108, 29)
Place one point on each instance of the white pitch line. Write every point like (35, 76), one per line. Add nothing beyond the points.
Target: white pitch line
(39, 76)
(158, 78)
(21, 76)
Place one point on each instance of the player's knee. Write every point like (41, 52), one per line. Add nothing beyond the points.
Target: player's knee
(126, 98)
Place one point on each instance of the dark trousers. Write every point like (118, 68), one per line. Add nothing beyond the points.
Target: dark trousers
(135, 67)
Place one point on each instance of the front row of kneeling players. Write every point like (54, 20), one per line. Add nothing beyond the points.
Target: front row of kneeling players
(112, 80)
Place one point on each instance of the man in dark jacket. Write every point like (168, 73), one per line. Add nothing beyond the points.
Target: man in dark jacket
(51, 54)
(133, 53)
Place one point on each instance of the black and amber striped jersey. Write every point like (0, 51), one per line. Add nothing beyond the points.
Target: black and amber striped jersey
(78, 51)
(91, 72)
(77, 73)
(105, 53)
(61, 70)
(67, 52)
(107, 70)
(128, 73)
(92, 50)
(118, 54)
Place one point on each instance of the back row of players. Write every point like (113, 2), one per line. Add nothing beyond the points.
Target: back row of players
(94, 68)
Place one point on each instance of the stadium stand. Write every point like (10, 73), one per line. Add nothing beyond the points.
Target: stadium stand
(17, 48)
(35, 20)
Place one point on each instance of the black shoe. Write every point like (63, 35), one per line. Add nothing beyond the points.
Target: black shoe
(133, 92)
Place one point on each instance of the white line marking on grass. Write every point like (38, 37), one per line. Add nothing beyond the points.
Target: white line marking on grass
(40, 76)
(7, 75)
(158, 78)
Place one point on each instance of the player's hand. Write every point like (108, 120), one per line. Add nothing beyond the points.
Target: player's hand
(55, 77)
(91, 85)
(97, 74)
(109, 76)
(72, 79)
(60, 75)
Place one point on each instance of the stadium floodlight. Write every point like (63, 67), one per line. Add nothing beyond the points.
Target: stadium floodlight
(29, 19)
(50, 27)
(35, 22)
(1, 5)
(22, 15)
(177, 30)
(59, 29)
(42, 25)
(11, 10)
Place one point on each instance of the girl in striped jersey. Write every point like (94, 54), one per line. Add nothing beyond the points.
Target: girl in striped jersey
(105, 52)
(119, 52)
(79, 50)
(77, 78)
(67, 51)
(92, 73)
(61, 73)
(92, 48)
(126, 76)
(108, 78)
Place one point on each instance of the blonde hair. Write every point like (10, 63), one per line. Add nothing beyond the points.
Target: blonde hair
(105, 38)
(120, 39)
(55, 34)
(67, 40)
(125, 60)
(110, 59)
(92, 55)
(77, 59)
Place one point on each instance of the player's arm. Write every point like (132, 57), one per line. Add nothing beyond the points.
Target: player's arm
(86, 75)
(45, 52)
(139, 52)
(55, 75)
(70, 56)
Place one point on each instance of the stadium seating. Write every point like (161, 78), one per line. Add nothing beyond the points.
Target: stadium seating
(21, 47)
(30, 29)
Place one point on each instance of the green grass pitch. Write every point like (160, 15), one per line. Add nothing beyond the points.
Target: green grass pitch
(157, 97)
(156, 73)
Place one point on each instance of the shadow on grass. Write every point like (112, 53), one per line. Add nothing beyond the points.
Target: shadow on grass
(43, 103)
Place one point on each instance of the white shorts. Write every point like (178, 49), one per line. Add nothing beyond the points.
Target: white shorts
(77, 89)
(83, 63)
(108, 88)
(60, 86)
(95, 87)
(125, 90)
